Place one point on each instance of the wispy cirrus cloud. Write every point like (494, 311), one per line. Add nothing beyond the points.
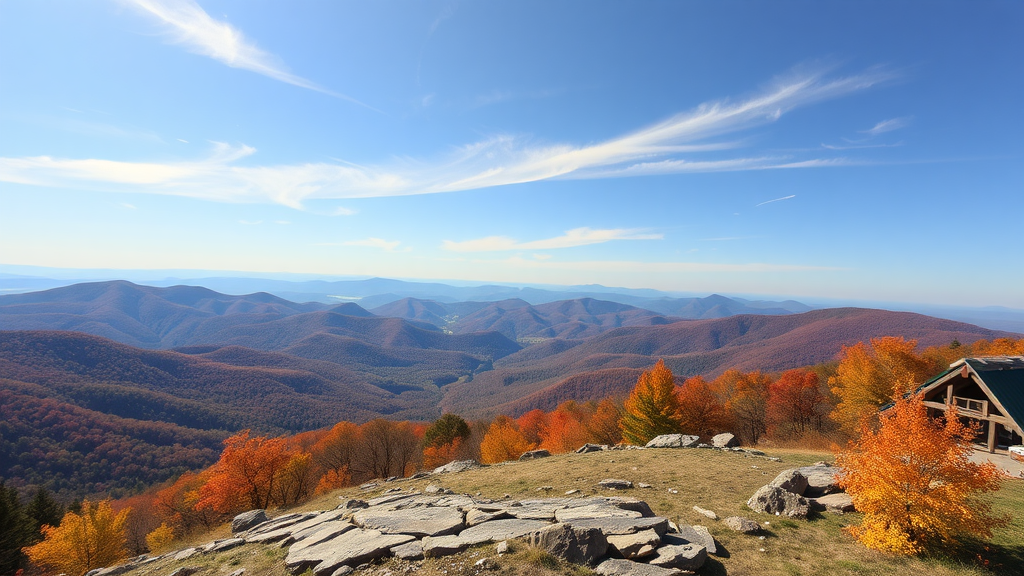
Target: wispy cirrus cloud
(571, 238)
(791, 196)
(664, 148)
(887, 126)
(188, 25)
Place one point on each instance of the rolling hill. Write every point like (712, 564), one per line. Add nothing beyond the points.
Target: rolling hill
(543, 377)
(518, 319)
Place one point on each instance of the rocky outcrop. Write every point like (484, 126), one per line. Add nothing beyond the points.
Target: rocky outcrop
(774, 500)
(614, 484)
(635, 545)
(674, 441)
(534, 454)
(821, 480)
(586, 448)
(457, 466)
(616, 567)
(419, 521)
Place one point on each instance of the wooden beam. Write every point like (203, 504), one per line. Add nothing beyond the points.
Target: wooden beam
(992, 436)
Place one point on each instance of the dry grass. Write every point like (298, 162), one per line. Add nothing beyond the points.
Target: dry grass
(715, 480)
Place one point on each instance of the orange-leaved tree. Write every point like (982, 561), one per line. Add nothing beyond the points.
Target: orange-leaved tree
(565, 429)
(867, 378)
(603, 426)
(503, 441)
(94, 538)
(796, 404)
(177, 504)
(245, 475)
(531, 424)
(914, 482)
(652, 408)
(746, 402)
(700, 410)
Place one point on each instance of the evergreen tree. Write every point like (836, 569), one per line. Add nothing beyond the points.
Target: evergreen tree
(445, 430)
(15, 531)
(43, 510)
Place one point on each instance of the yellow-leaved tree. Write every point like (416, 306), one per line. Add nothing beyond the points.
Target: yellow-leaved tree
(94, 538)
(914, 482)
(652, 408)
(868, 377)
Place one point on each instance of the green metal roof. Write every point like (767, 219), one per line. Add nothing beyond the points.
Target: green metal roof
(1004, 376)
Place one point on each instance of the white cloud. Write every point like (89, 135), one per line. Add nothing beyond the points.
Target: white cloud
(496, 161)
(572, 238)
(542, 256)
(626, 266)
(887, 126)
(190, 26)
(128, 206)
(387, 246)
(250, 222)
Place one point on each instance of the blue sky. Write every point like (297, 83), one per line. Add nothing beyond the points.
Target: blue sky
(867, 151)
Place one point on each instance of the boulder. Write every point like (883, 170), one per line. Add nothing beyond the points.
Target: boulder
(839, 503)
(705, 512)
(534, 454)
(689, 556)
(724, 440)
(743, 525)
(457, 466)
(821, 480)
(572, 544)
(499, 530)
(409, 551)
(634, 545)
(186, 554)
(791, 480)
(352, 548)
(419, 522)
(616, 567)
(616, 526)
(586, 448)
(613, 484)
(774, 500)
(673, 441)
(247, 520)
(186, 571)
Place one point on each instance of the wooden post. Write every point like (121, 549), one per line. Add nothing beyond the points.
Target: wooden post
(992, 436)
(949, 394)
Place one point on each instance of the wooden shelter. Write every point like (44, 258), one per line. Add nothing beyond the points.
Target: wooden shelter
(989, 390)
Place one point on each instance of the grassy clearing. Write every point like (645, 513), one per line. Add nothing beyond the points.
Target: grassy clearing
(714, 480)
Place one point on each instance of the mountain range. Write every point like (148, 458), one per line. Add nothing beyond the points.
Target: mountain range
(143, 369)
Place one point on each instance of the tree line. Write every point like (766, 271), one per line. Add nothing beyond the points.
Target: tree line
(833, 400)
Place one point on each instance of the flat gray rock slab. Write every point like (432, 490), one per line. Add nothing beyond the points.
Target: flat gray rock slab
(499, 530)
(615, 484)
(323, 533)
(475, 516)
(421, 521)
(621, 526)
(674, 441)
(349, 549)
(839, 502)
(570, 543)
(228, 544)
(724, 440)
(693, 534)
(286, 531)
(276, 524)
(445, 545)
(409, 551)
(682, 556)
(635, 545)
(616, 567)
(391, 498)
(594, 511)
